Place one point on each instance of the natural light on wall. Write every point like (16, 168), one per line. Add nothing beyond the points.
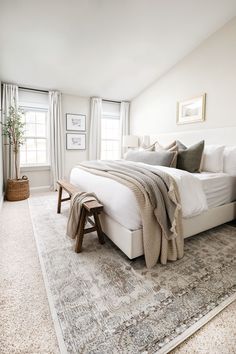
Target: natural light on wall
(110, 131)
(35, 150)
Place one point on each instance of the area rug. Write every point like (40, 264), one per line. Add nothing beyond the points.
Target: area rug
(104, 303)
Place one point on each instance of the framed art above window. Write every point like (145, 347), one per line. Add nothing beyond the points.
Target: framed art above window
(75, 141)
(76, 122)
(192, 110)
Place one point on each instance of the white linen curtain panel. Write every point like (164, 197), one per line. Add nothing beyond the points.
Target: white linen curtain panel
(124, 123)
(9, 98)
(95, 128)
(56, 138)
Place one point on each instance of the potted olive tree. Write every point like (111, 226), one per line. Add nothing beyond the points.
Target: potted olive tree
(13, 129)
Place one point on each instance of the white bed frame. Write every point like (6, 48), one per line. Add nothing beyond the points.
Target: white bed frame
(131, 242)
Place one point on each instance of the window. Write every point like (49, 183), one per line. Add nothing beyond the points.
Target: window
(110, 131)
(35, 150)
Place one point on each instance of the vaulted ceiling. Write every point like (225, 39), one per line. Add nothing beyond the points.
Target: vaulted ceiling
(110, 48)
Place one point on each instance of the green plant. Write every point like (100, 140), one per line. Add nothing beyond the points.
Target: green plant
(13, 129)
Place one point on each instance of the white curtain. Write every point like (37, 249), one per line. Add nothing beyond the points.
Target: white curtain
(9, 98)
(95, 128)
(124, 122)
(56, 138)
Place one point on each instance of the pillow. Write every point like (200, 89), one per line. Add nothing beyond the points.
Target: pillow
(189, 159)
(161, 158)
(168, 147)
(171, 147)
(180, 145)
(151, 147)
(213, 158)
(229, 160)
(156, 146)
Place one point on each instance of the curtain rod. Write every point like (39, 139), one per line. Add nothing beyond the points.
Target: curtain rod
(32, 89)
(111, 101)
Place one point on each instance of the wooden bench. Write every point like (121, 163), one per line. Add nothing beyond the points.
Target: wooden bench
(92, 208)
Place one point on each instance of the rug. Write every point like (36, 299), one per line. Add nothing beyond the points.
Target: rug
(105, 303)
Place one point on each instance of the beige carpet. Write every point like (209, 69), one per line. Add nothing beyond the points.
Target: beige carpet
(25, 320)
(26, 324)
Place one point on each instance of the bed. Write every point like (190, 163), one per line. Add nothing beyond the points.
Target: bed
(214, 203)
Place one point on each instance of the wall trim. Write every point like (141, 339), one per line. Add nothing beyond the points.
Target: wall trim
(223, 136)
(35, 168)
(40, 189)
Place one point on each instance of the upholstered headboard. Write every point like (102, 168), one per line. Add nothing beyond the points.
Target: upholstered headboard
(222, 136)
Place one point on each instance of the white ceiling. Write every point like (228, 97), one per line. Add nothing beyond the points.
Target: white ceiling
(110, 48)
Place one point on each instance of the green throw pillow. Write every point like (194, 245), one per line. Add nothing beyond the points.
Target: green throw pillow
(189, 159)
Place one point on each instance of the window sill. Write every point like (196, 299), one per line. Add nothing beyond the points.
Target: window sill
(35, 168)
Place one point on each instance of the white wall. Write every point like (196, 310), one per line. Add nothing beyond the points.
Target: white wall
(1, 158)
(40, 177)
(211, 68)
(1, 168)
(75, 104)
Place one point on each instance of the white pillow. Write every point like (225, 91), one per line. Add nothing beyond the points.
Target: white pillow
(230, 160)
(213, 158)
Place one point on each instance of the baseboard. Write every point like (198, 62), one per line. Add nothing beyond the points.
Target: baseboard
(40, 189)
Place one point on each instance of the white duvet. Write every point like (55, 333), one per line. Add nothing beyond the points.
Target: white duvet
(120, 203)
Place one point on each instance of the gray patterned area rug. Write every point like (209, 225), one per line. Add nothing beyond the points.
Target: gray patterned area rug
(105, 303)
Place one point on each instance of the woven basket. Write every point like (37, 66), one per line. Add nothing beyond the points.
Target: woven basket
(17, 189)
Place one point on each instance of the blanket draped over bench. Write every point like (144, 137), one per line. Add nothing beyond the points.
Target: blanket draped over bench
(159, 202)
(76, 203)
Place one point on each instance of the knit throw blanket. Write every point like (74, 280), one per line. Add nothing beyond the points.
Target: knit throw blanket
(159, 202)
(76, 203)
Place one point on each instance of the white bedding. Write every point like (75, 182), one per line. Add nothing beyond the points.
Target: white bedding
(120, 203)
(219, 188)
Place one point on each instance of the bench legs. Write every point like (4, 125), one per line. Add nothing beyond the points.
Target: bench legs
(59, 200)
(99, 228)
(82, 231)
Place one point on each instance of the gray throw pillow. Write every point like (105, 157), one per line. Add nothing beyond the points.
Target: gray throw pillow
(173, 147)
(189, 159)
(160, 158)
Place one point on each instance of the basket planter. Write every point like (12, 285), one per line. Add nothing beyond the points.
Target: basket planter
(17, 189)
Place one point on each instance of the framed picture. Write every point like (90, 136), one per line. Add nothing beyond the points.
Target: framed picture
(75, 141)
(192, 110)
(76, 122)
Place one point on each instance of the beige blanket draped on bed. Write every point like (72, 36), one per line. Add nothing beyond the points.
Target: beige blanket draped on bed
(159, 202)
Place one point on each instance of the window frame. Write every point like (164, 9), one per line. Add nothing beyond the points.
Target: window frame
(115, 116)
(46, 164)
